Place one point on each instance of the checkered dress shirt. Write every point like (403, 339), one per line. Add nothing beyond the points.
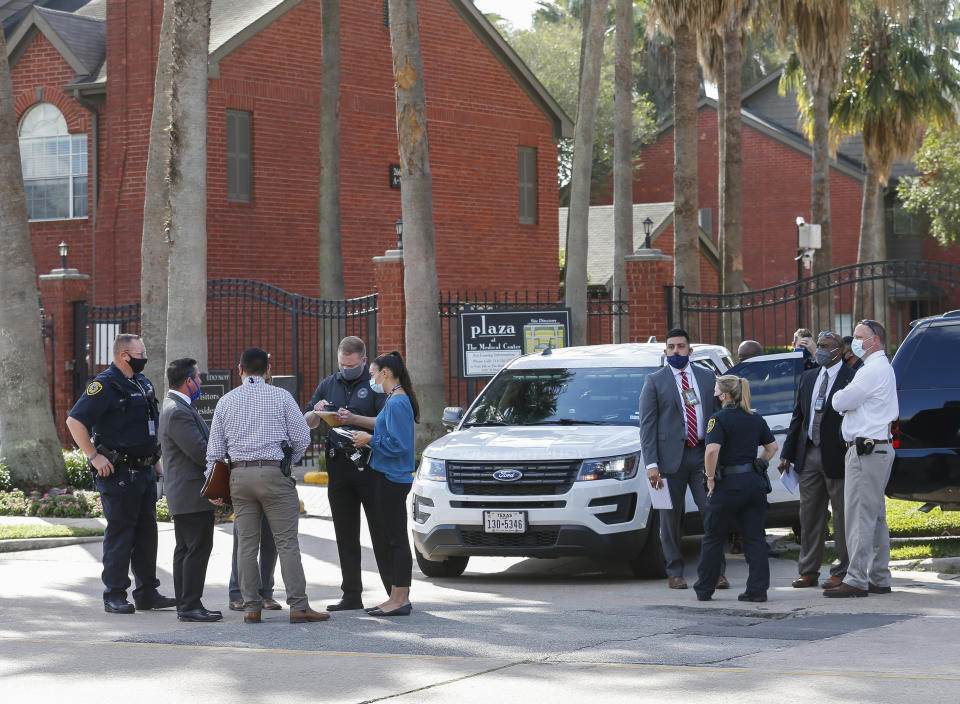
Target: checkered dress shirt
(252, 421)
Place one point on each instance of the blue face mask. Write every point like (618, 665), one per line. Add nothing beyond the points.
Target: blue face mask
(195, 395)
(678, 361)
(352, 373)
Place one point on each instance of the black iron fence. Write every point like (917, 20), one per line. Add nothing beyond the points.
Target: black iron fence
(49, 346)
(893, 292)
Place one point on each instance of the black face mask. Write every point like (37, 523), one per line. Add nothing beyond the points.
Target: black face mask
(136, 364)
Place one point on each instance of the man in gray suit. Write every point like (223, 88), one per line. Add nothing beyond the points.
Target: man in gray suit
(675, 404)
(183, 445)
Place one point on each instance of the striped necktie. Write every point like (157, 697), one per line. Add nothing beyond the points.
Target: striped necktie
(691, 413)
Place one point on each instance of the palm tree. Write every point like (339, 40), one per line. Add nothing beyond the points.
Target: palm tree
(420, 287)
(331, 256)
(28, 439)
(575, 283)
(623, 152)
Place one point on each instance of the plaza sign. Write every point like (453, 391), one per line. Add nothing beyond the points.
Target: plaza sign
(490, 339)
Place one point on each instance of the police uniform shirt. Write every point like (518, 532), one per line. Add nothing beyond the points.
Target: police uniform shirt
(121, 412)
(354, 395)
(739, 434)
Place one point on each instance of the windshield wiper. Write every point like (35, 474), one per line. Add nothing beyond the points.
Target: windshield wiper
(567, 421)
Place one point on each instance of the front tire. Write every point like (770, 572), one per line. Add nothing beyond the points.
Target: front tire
(449, 567)
(649, 563)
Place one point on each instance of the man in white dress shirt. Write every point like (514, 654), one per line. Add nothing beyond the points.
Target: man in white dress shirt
(868, 405)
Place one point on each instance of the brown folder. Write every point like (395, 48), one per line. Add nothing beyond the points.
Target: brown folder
(217, 485)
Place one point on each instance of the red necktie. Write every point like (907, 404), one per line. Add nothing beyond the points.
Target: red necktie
(691, 413)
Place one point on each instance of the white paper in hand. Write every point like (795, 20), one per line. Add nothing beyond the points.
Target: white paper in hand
(790, 480)
(660, 498)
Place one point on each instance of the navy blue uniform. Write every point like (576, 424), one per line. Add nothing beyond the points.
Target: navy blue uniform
(349, 488)
(738, 502)
(121, 415)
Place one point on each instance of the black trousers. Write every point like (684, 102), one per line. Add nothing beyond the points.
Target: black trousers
(348, 490)
(194, 534)
(391, 504)
(129, 501)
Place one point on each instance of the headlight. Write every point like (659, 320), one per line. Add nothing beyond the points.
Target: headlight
(622, 467)
(432, 470)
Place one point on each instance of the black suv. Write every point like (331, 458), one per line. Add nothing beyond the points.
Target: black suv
(927, 436)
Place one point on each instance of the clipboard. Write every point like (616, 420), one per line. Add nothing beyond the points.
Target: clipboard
(329, 417)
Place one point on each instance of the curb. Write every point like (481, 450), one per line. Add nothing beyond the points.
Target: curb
(20, 544)
(948, 565)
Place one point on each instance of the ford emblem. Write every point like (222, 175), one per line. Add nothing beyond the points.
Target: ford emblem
(507, 475)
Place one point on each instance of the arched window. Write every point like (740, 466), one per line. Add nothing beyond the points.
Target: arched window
(54, 165)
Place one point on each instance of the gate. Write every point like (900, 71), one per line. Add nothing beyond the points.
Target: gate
(49, 348)
(892, 292)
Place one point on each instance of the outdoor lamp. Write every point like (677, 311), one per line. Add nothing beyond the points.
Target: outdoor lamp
(647, 227)
(63, 255)
(399, 225)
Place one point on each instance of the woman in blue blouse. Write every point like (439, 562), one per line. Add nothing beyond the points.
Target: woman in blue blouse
(391, 447)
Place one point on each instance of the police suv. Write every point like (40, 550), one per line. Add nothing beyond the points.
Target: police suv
(547, 462)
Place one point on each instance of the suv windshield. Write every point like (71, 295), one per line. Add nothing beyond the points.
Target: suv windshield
(605, 395)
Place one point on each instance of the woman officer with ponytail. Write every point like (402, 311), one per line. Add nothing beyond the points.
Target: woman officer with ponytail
(737, 488)
(391, 457)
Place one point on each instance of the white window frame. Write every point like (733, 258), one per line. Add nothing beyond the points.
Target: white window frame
(75, 153)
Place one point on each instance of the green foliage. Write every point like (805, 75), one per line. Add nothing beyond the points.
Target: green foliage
(906, 520)
(936, 191)
(13, 503)
(922, 549)
(5, 482)
(45, 531)
(78, 472)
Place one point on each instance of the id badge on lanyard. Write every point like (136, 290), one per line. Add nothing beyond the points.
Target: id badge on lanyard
(818, 406)
(690, 397)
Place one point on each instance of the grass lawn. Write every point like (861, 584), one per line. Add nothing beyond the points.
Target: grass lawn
(905, 520)
(45, 531)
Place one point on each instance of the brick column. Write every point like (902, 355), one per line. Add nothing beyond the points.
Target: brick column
(648, 271)
(59, 291)
(391, 316)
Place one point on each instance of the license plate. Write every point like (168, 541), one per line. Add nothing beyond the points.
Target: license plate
(504, 521)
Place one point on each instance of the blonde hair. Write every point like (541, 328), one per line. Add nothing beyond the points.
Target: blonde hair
(736, 388)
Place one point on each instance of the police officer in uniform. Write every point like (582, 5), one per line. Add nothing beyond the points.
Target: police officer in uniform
(737, 487)
(114, 423)
(350, 485)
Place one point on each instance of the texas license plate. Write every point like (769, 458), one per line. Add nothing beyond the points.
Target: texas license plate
(504, 521)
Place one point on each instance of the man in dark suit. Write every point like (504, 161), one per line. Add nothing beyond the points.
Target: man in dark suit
(816, 449)
(675, 404)
(183, 444)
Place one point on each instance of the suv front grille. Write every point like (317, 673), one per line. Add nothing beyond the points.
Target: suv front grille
(535, 537)
(539, 478)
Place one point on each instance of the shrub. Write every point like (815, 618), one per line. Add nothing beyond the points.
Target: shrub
(78, 472)
(59, 505)
(163, 511)
(5, 482)
(13, 503)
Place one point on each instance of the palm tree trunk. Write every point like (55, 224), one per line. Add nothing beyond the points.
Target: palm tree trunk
(28, 438)
(622, 154)
(731, 245)
(867, 249)
(820, 201)
(575, 284)
(331, 257)
(420, 287)
(187, 278)
(686, 250)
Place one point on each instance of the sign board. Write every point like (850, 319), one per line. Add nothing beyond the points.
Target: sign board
(490, 339)
(213, 385)
(808, 236)
(394, 175)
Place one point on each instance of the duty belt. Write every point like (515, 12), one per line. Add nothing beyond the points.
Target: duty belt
(851, 443)
(726, 469)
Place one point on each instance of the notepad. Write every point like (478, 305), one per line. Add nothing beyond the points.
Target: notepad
(790, 480)
(660, 498)
(330, 417)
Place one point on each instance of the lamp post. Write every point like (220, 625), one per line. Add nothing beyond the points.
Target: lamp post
(399, 226)
(63, 254)
(647, 227)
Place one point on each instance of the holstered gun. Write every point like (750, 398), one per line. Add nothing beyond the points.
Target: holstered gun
(287, 458)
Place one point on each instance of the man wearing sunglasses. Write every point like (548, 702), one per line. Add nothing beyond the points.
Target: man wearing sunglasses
(868, 405)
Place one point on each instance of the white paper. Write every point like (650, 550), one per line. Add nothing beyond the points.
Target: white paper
(660, 498)
(790, 480)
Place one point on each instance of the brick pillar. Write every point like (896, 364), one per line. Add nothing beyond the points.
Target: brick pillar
(648, 271)
(391, 316)
(59, 291)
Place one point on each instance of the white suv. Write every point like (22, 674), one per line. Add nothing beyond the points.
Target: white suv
(545, 463)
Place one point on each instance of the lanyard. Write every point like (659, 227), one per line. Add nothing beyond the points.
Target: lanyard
(393, 389)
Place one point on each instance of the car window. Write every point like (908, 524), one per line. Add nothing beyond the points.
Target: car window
(773, 383)
(606, 395)
(932, 364)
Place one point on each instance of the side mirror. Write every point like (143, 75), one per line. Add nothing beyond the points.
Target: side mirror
(452, 415)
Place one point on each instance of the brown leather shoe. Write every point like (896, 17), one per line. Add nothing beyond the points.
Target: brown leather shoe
(844, 591)
(308, 616)
(831, 583)
(251, 617)
(722, 583)
(271, 604)
(874, 589)
(236, 605)
(677, 583)
(806, 580)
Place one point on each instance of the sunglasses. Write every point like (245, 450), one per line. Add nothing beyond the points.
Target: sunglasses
(833, 335)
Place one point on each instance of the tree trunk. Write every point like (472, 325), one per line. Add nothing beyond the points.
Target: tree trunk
(575, 285)
(28, 438)
(424, 357)
(867, 250)
(820, 201)
(731, 246)
(622, 156)
(686, 264)
(187, 288)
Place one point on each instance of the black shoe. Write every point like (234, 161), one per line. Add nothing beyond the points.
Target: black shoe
(159, 601)
(402, 611)
(752, 597)
(704, 597)
(346, 605)
(874, 589)
(200, 614)
(118, 605)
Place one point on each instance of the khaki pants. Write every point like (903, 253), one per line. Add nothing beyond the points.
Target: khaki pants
(868, 539)
(259, 491)
(816, 489)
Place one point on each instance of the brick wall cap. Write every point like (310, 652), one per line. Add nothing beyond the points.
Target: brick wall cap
(64, 275)
(648, 255)
(391, 255)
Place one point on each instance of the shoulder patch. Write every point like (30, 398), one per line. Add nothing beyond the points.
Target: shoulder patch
(711, 424)
(94, 388)
(363, 392)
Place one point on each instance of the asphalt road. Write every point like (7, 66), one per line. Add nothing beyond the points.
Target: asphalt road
(508, 630)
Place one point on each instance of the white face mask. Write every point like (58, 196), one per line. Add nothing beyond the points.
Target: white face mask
(856, 346)
(377, 388)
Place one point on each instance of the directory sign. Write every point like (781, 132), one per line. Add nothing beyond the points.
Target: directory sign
(490, 339)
